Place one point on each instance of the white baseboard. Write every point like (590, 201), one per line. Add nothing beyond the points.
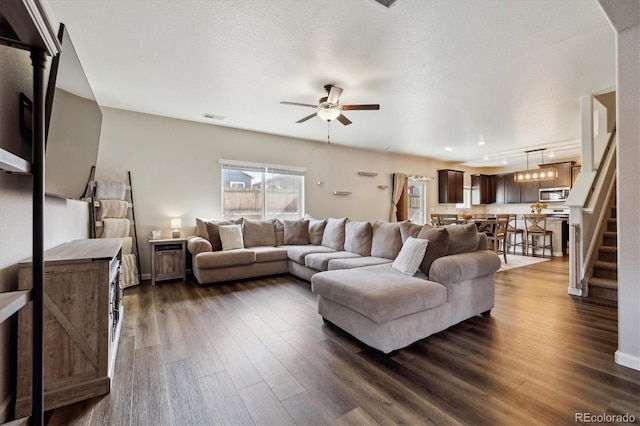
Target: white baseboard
(627, 360)
(145, 276)
(574, 291)
(4, 409)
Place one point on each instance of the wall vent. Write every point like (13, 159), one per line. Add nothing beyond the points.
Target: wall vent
(213, 116)
(386, 3)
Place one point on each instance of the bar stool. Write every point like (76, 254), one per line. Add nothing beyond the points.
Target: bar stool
(536, 230)
(514, 232)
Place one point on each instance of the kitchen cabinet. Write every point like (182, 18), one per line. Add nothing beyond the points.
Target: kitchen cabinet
(499, 185)
(529, 192)
(450, 186)
(511, 189)
(483, 190)
(564, 179)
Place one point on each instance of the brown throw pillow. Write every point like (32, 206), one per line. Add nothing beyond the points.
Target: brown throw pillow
(462, 238)
(316, 230)
(296, 232)
(213, 231)
(437, 247)
(408, 229)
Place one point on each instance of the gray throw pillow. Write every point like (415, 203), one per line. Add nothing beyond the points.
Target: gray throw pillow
(333, 236)
(408, 229)
(387, 240)
(296, 232)
(462, 238)
(259, 233)
(213, 232)
(358, 237)
(438, 245)
(279, 229)
(316, 230)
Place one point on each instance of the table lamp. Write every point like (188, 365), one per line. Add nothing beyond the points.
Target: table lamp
(176, 224)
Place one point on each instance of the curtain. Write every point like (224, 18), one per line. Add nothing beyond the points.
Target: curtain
(398, 211)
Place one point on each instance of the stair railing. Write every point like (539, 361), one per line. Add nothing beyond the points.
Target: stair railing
(588, 204)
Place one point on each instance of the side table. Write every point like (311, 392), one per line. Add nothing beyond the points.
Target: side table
(168, 259)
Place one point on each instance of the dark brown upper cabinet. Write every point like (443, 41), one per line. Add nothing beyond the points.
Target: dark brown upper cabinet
(483, 189)
(450, 186)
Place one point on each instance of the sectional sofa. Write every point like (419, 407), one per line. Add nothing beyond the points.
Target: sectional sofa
(358, 270)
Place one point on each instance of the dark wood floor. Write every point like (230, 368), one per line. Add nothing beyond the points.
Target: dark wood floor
(257, 352)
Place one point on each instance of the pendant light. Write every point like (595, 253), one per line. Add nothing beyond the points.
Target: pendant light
(541, 174)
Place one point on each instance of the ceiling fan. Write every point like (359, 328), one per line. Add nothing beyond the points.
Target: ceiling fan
(330, 108)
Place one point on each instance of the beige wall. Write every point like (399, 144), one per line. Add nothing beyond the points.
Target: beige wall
(176, 172)
(65, 219)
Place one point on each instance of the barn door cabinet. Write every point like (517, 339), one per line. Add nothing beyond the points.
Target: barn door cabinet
(450, 186)
(82, 315)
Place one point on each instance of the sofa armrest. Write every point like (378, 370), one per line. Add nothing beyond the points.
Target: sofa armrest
(464, 266)
(197, 245)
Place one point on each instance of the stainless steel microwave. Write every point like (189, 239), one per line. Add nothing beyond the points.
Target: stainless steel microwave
(553, 194)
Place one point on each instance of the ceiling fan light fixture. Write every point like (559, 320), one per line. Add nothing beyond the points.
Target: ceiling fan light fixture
(329, 114)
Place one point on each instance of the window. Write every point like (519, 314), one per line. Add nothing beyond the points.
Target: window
(417, 201)
(261, 191)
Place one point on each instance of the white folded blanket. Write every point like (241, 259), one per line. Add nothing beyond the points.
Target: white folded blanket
(112, 209)
(116, 228)
(129, 270)
(110, 190)
(127, 244)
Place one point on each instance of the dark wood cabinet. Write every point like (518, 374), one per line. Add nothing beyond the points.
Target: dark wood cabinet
(500, 190)
(483, 190)
(511, 189)
(450, 186)
(564, 178)
(529, 192)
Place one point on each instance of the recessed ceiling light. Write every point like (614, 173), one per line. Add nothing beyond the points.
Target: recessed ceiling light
(481, 142)
(448, 148)
(504, 161)
(213, 116)
(388, 148)
(551, 154)
(486, 157)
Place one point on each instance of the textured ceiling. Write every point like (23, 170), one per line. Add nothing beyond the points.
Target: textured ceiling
(446, 73)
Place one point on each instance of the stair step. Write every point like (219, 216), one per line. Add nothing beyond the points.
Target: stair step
(612, 225)
(610, 238)
(602, 269)
(608, 253)
(603, 282)
(603, 288)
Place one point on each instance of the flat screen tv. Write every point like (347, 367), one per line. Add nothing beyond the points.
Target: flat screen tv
(72, 124)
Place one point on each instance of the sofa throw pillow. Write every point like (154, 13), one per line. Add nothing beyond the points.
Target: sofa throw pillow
(357, 237)
(279, 228)
(316, 230)
(231, 237)
(386, 241)
(213, 233)
(409, 229)
(296, 232)
(333, 236)
(410, 256)
(438, 245)
(201, 228)
(462, 238)
(257, 233)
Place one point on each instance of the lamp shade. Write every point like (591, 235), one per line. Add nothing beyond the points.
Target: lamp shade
(329, 114)
(176, 223)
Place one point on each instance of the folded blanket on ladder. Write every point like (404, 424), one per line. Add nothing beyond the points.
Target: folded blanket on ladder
(129, 275)
(115, 228)
(114, 209)
(110, 190)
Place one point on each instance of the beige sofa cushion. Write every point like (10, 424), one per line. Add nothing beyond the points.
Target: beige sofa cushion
(298, 253)
(320, 261)
(386, 241)
(358, 237)
(258, 233)
(356, 262)
(296, 232)
(221, 259)
(269, 254)
(333, 236)
(462, 238)
(409, 229)
(380, 293)
(316, 230)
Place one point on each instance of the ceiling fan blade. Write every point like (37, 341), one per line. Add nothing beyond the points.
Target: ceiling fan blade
(298, 104)
(344, 120)
(308, 117)
(334, 95)
(362, 107)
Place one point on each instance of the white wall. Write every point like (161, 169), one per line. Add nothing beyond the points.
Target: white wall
(176, 172)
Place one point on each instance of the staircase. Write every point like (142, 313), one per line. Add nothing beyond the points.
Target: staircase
(604, 282)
